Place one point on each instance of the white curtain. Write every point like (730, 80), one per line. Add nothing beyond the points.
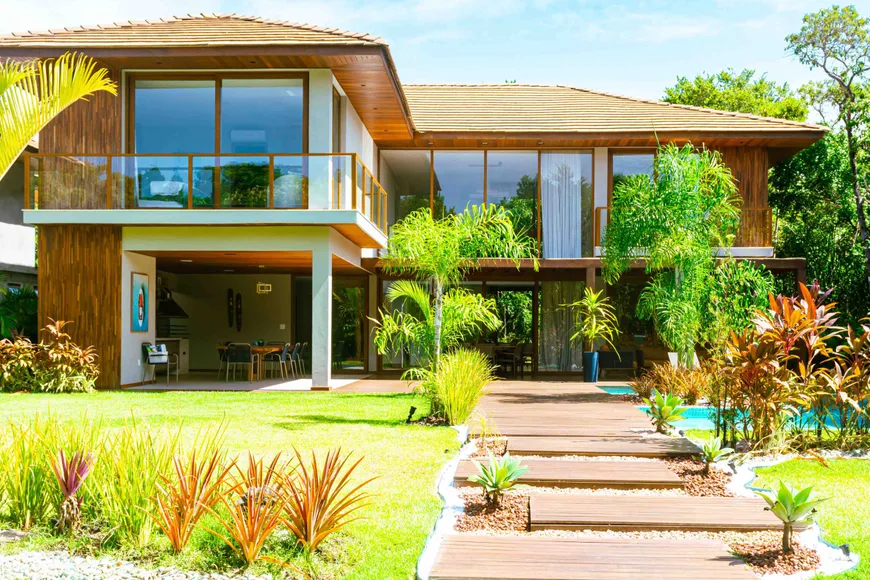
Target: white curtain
(564, 213)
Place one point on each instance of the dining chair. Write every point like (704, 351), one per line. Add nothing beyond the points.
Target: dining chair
(241, 354)
(302, 354)
(294, 360)
(279, 358)
(155, 356)
(222, 355)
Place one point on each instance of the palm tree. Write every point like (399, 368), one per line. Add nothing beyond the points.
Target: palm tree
(440, 252)
(34, 93)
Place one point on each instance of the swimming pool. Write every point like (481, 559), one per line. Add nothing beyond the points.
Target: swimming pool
(702, 418)
(620, 390)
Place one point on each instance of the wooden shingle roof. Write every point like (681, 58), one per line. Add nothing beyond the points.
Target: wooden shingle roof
(512, 108)
(188, 31)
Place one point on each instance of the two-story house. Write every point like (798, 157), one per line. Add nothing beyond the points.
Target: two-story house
(241, 184)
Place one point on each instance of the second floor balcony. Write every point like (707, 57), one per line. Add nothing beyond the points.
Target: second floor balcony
(140, 189)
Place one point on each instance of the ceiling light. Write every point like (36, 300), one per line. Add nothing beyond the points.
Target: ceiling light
(484, 142)
(540, 142)
(187, 261)
(229, 270)
(262, 266)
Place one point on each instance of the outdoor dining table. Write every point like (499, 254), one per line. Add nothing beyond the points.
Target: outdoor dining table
(262, 351)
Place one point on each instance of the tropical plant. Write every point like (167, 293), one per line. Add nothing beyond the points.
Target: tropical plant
(675, 220)
(498, 476)
(254, 506)
(456, 385)
(27, 473)
(71, 474)
(183, 499)
(410, 324)
(594, 319)
(792, 507)
(664, 410)
(18, 309)
(712, 451)
(690, 384)
(440, 252)
(123, 486)
(738, 289)
(321, 499)
(33, 93)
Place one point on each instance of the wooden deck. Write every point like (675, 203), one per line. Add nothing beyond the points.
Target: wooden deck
(637, 513)
(628, 446)
(587, 474)
(473, 557)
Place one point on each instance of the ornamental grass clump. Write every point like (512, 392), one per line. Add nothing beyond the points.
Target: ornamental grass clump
(27, 476)
(664, 410)
(457, 384)
(71, 474)
(690, 384)
(322, 498)
(126, 480)
(498, 476)
(193, 487)
(792, 507)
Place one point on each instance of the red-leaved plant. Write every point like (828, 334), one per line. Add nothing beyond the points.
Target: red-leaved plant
(71, 474)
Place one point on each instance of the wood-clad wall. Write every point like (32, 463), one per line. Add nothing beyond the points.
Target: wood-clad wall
(80, 281)
(749, 166)
(88, 127)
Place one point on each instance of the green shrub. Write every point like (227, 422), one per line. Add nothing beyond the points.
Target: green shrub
(497, 477)
(688, 384)
(457, 385)
(56, 366)
(664, 410)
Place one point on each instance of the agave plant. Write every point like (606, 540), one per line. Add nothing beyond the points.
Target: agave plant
(321, 499)
(71, 474)
(712, 451)
(792, 507)
(664, 409)
(497, 477)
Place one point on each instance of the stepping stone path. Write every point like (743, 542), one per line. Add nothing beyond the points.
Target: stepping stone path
(547, 420)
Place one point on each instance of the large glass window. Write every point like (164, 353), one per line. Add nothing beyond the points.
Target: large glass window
(174, 116)
(566, 204)
(261, 115)
(625, 164)
(512, 182)
(405, 177)
(458, 181)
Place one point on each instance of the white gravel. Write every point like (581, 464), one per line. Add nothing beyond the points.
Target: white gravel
(61, 565)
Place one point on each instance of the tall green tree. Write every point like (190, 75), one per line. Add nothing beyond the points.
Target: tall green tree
(440, 252)
(32, 94)
(742, 92)
(837, 41)
(674, 221)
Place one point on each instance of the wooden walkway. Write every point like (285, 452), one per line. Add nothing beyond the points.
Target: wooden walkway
(473, 557)
(639, 513)
(603, 446)
(587, 474)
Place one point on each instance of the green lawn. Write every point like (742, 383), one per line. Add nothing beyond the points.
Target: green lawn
(845, 517)
(405, 458)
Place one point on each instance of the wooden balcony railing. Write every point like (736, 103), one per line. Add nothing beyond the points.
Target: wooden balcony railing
(756, 226)
(204, 181)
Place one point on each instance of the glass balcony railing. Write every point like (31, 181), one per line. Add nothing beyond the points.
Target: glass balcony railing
(232, 181)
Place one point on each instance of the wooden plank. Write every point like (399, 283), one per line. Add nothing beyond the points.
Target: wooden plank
(587, 474)
(475, 557)
(635, 513)
(599, 446)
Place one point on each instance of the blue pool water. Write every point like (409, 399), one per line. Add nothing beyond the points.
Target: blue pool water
(702, 418)
(617, 390)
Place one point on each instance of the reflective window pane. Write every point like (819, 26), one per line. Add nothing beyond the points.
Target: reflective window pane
(512, 183)
(405, 177)
(348, 324)
(458, 181)
(174, 116)
(626, 164)
(261, 115)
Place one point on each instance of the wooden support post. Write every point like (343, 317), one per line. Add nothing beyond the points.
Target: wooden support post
(27, 181)
(271, 182)
(353, 180)
(190, 182)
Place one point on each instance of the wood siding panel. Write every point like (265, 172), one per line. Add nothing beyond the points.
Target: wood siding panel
(80, 281)
(749, 166)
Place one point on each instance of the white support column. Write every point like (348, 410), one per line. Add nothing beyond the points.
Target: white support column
(321, 317)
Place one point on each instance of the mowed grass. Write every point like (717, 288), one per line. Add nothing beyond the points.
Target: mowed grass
(845, 516)
(406, 459)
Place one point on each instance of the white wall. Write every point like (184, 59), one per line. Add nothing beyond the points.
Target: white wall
(131, 342)
(320, 137)
(204, 298)
(356, 138)
(17, 245)
(601, 170)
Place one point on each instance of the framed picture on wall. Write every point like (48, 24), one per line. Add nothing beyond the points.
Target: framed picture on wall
(139, 304)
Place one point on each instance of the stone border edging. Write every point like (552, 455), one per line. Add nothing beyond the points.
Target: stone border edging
(453, 505)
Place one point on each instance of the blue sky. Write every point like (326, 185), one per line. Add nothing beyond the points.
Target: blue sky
(626, 47)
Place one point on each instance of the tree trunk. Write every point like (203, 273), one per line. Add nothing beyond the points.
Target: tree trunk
(786, 538)
(859, 201)
(439, 303)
